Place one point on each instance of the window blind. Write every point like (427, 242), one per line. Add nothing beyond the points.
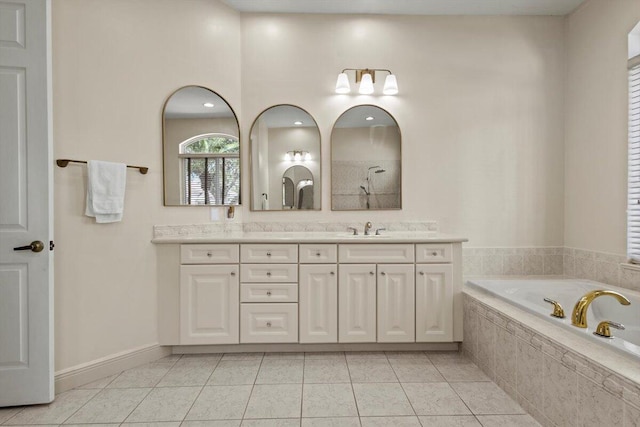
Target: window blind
(211, 180)
(633, 200)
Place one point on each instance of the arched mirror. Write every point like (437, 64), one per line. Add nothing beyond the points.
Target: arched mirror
(285, 158)
(297, 188)
(366, 161)
(201, 147)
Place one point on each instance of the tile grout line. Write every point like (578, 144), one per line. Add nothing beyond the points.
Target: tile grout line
(402, 387)
(253, 386)
(201, 390)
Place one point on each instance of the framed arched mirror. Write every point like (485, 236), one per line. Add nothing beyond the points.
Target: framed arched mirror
(201, 148)
(366, 160)
(285, 158)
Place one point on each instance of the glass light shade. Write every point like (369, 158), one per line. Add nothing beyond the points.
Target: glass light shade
(287, 157)
(297, 157)
(307, 157)
(342, 84)
(390, 85)
(366, 85)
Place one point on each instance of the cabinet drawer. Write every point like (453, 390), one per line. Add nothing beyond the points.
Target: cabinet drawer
(382, 253)
(268, 253)
(313, 254)
(274, 323)
(209, 254)
(433, 252)
(265, 292)
(269, 273)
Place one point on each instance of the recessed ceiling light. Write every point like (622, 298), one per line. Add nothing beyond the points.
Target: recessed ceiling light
(208, 105)
(297, 123)
(369, 118)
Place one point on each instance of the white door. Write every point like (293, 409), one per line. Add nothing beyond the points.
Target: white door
(396, 303)
(26, 283)
(209, 304)
(357, 303)
(318, 303)
(434, 303)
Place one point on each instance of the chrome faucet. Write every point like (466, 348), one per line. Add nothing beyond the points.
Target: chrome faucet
(367, 228)
(579, 315)
(354, 230)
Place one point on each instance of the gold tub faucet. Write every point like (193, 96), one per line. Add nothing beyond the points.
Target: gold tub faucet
(579, 315)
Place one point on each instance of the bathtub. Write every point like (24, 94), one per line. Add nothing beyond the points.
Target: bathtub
(529, 295)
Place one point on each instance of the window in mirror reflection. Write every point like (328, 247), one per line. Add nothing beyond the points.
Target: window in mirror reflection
(210, 170)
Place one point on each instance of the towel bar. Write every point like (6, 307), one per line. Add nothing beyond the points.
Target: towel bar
(64, 162)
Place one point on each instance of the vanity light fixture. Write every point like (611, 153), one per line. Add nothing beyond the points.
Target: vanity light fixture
(297, 156)
(208, 104)
(366, 77)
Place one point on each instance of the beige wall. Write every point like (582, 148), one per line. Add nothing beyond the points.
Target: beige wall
(596, 124)
(114, 64)
(480, 109)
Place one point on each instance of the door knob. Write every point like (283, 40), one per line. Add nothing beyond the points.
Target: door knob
(35, 246)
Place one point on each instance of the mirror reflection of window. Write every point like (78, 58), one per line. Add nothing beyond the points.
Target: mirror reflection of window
(210, 170)
(285, 139)
(201, 149)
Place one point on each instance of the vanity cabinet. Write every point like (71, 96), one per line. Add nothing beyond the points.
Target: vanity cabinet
(209, 295)
(312, 293)
(269, 296)
(434, 293)
(357, 308)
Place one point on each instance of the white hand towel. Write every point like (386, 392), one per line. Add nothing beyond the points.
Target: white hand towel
(106, 183)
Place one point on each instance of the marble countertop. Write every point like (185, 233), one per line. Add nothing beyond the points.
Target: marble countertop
(311, 237)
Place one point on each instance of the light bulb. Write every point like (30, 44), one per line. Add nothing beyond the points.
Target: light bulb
(287, 157)
(366, 85)
(297, 157)
(390, 85)
(307, 157)
(342, 84)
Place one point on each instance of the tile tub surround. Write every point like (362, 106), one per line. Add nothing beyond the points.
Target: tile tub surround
(454, 392)
(552, 375)
(602, 267)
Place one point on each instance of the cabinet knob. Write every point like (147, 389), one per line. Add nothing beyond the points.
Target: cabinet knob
(371, 273)
(233, 273)
(209, 254)
(268, 253)
(333, 273)
(383, 273)
(268, 293)
(422, 273)
(268, 324)
(317, 253)
(434, 253)
(269, 273)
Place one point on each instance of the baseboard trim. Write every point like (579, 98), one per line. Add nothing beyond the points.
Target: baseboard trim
(78, 375)
(240, 348)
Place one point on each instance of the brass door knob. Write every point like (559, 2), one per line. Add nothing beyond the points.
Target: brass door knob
(35, 246)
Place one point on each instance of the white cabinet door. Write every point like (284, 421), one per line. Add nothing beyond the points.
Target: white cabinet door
(318, 303)
(357, 308)
(434, 303)
(209, 304)
(396, 303)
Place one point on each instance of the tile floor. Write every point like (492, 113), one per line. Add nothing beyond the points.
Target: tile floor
(287, 389)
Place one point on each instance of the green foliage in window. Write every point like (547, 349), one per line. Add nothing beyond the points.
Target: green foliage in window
(214, 144)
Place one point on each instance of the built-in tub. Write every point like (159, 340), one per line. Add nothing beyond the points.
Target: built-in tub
(529, 295)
